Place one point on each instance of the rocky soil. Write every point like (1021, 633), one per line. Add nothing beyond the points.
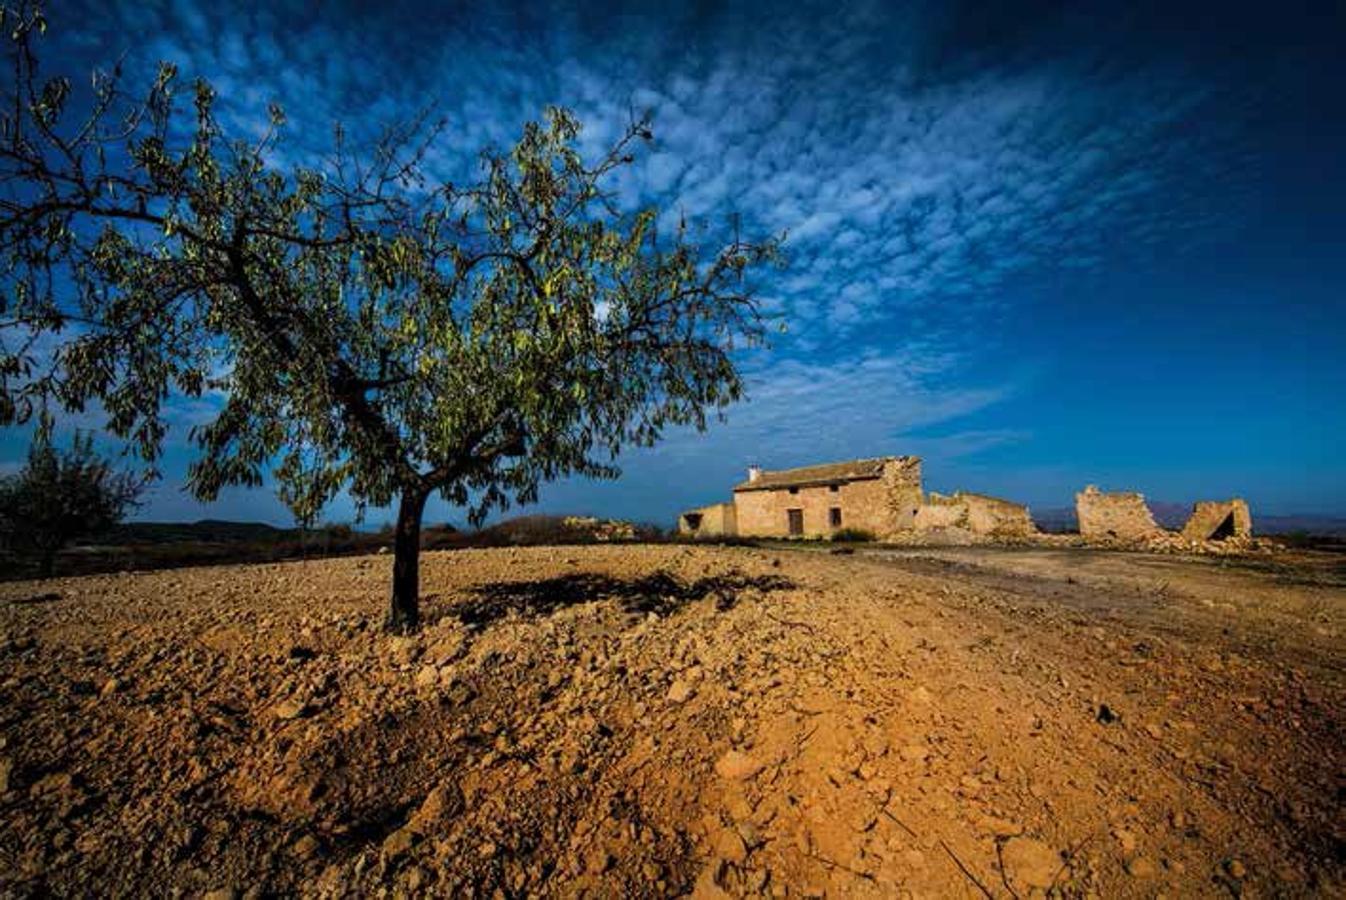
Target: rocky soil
(640, 721)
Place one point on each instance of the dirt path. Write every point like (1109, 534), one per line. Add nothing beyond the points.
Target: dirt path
(658, 720)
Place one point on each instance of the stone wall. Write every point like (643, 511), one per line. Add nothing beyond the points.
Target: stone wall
(1114, 516)
(991, 515)
(1219, 519)
(903, 491)
(976, 513)
(716, 520)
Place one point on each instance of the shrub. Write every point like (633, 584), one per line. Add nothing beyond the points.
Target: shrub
(852, 535)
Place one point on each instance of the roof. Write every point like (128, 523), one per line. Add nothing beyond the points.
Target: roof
(827, 473)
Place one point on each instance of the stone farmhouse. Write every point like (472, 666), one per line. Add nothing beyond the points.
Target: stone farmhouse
(881, 496)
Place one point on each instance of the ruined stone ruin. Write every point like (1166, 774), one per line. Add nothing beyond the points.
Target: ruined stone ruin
(1123, 516)
(976, 513)
(881, 496)
(1217, 520)
(1118, 515)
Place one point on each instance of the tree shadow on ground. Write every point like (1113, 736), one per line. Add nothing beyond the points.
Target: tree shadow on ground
(659, 593)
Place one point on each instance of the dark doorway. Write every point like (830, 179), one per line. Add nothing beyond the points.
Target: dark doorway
(1224, 530)
(693, 520)
(796, 520)
(834, 517)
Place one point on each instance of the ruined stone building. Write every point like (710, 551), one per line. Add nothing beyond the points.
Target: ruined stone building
(1124, 516)
(1215, 520)
(1118, 515)
(881, 496)
(976, 513)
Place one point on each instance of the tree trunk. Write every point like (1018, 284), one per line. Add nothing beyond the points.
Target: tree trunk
(404, 612)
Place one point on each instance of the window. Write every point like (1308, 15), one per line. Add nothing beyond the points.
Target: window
(834, 517)
(833, 488)
(794, 490)
(794, 518)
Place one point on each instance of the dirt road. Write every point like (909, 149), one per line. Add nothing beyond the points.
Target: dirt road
(659, 720)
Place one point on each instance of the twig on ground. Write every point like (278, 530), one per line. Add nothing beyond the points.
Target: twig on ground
(1070, 856)
(1004, 876)
(790, 622)
(900, 823)
(966, 871)
(836, 865)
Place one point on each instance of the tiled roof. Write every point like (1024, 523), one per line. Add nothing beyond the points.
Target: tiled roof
(827, 473)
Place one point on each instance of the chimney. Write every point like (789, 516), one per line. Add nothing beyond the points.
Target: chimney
(754, 473)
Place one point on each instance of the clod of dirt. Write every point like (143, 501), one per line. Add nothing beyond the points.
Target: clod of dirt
(680, 692)
(737, 766)
(1030, 863)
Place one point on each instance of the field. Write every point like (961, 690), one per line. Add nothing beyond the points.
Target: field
(652, 720)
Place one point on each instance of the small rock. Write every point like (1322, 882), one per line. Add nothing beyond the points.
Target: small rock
(600, 861)
(1236, 869)
(1126, 840)
(1140, 867)
(55, 783)
(729, 844)
(443, 801)
(707, 885)
(1106, 715)
(914, 752)
(111, 686)
(223, 893)
(398, 843)
(427, 676)
(293, 708)
(737, 766)
(306, 847)
(1031, 862)
(680, 692)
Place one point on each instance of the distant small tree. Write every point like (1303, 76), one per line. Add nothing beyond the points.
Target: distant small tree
(371, 329)
(60, 496)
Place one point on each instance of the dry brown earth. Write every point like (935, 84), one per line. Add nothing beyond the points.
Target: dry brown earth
(636, 721)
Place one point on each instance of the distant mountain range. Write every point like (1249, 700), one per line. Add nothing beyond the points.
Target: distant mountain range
(209, 530)
(1174, 515)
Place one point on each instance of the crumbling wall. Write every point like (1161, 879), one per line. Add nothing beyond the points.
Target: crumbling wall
(902, 486)
(1118, 515)
(976, 513)
(991, 515)
(1216, 520)
(939, 512)
(716, 520)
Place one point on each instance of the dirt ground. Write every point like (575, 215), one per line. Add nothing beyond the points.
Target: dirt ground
(657, 720)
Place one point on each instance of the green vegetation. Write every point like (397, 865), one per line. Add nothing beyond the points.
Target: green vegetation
(60, 496)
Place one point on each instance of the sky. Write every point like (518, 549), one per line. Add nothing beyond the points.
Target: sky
(1040, 245)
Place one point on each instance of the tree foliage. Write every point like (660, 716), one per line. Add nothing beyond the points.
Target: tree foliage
(60, 496)
(368, 327)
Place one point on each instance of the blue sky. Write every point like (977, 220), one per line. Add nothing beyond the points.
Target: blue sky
(1041, 246)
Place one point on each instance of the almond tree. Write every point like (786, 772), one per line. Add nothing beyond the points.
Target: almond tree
(363, 327)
